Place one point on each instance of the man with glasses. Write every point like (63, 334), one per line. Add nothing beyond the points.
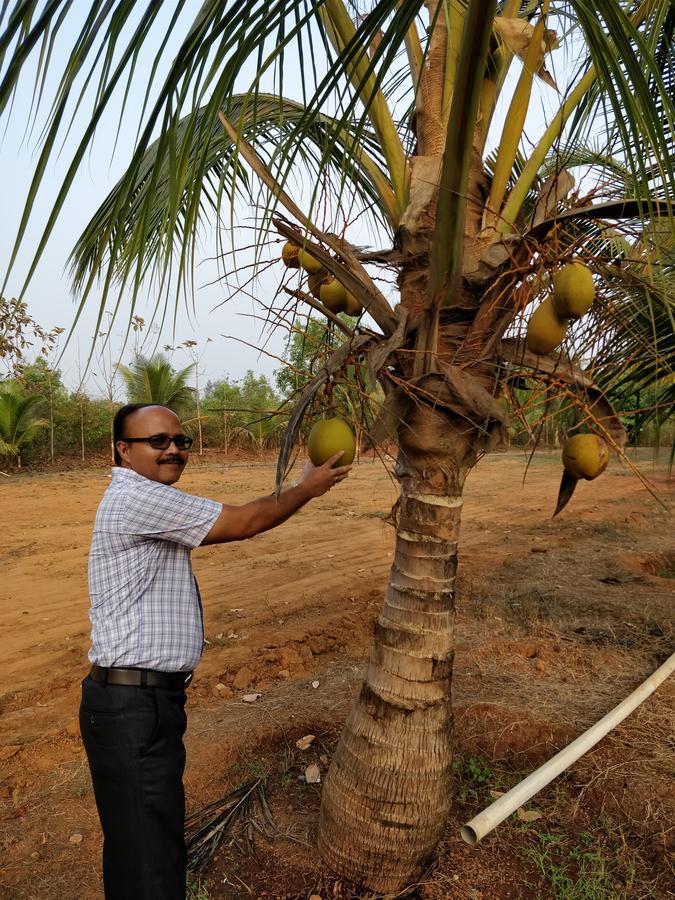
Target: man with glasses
(147, 637)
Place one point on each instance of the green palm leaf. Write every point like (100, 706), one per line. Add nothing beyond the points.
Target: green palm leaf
(20, 419)
(154, 380)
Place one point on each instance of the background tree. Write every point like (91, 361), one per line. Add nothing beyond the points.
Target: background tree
(20, 420)
(397, 107)
(154, 380)
(221, 401)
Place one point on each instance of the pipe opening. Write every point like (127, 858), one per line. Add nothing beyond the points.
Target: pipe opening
(468, 834)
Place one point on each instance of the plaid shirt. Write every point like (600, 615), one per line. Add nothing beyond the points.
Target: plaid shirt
(145, 605)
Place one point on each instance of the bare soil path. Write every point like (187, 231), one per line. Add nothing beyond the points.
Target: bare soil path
(557, 621)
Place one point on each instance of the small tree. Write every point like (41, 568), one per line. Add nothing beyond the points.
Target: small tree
(154, 380)
(20, 420)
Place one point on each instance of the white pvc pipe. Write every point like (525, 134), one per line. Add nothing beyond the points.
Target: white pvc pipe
(484, 822)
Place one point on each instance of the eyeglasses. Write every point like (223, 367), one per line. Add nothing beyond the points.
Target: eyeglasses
(162, 441)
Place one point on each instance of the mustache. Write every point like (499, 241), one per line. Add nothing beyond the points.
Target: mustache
(172, 459)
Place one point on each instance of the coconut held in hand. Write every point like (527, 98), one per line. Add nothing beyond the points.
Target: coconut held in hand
(328, 437)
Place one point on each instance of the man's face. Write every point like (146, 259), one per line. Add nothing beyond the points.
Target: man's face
(165, 466)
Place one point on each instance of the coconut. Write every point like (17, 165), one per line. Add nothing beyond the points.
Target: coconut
(573, 290)
(315, 282)
(308, 262)
(289, 254)
(585, 456)
(545, 330)
(328, 437)
(352, 306)
(333, 295)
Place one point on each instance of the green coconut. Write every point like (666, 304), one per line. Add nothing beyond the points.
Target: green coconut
(333, 295)
(573, 290)
(289, 255)
(328, 437)
(308, 262)
(585, 456)
(545, 330)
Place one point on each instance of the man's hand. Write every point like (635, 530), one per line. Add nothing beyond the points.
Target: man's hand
(316, 480)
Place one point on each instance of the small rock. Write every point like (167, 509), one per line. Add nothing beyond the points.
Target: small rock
(496, 794)
(73, 727)
(75, 838)
(313, 774)
(290, 659)
(219, 636)
(315, 684)
(34, 854)
(250, 698)
(224, 691)
(284, 673)
(304, 742)
(243, 679)
(324, 760)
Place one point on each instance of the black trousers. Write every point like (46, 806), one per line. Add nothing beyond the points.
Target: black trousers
(134, 742)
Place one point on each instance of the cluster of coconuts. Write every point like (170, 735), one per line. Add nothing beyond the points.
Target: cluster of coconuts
(324, 286)
(328, 437)
(572, 297)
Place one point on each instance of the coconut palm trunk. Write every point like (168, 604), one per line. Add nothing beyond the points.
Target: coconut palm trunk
(388, 791)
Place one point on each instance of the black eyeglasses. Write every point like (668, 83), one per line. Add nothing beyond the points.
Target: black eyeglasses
(162, 441)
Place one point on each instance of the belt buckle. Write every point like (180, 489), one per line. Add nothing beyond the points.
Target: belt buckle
(188, 679)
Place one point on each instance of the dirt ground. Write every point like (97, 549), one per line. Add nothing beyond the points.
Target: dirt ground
(557, 621)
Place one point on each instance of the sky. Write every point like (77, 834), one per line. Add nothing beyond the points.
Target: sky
(234, 327)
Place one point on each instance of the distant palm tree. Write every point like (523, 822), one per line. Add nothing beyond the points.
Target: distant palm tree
(19, 420)
(154, 380)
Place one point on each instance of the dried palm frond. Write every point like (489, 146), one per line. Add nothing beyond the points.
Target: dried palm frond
(206, 828)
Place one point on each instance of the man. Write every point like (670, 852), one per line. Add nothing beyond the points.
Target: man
(147, 637)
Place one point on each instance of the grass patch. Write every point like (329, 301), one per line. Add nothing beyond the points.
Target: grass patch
(196, 890)
(581, 867)
(474, 775)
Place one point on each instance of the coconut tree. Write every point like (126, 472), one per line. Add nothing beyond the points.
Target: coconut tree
(395, 122)
(154, 380)
(20, 420)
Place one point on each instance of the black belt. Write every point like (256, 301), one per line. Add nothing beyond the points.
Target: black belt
(141, 677)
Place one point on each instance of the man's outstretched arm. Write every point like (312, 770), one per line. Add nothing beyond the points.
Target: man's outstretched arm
(236, 523)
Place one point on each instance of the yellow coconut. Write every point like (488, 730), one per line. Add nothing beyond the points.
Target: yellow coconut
(585, 456)
(316, 281)
(545, 330)
(352, 305)
(333, 295)
(308, 263)
(328, 437)
(573, 290)
(289, 254)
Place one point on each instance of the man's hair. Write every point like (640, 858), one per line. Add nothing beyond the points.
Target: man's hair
(119, 424)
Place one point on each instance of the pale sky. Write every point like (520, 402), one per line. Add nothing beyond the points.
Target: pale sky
(49, 298)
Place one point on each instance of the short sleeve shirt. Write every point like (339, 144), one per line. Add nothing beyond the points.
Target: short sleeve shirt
(145, 605)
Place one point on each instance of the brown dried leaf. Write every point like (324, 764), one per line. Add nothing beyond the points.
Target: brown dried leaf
(517, 35)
